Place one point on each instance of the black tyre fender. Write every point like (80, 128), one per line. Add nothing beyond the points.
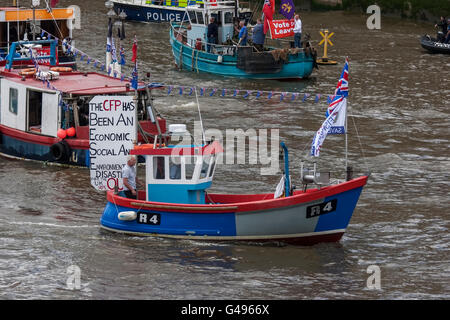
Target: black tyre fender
(60, 151)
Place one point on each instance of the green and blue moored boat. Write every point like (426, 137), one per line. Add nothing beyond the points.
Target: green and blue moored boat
(226, 58)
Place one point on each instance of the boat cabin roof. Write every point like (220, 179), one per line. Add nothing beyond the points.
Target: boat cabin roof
(13, 14)
(78, 83)
(210, 6)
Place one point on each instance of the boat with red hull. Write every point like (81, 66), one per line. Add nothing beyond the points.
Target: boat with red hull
(175, 203)
(248, 218)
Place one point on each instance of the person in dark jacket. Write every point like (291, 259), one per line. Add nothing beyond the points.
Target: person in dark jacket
(447, 38)
(443, 25)
(213, 33)
(258, 35)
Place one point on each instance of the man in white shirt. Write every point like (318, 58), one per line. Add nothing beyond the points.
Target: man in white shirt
(129, 178)
(298, 31)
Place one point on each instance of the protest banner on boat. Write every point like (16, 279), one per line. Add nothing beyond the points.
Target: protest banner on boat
(112, 131)
(281, 28)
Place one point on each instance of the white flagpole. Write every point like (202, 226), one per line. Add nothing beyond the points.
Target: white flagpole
(346, 128)
(200, 116)
(346, 141)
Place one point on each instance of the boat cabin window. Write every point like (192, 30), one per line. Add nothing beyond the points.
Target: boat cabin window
(13, 97)
(175, 168)
(190, 167)
(217, 18)
(192, 16)
(159, 168)
(228, 18)
(200, 18)
(205, 166)
(34, 110)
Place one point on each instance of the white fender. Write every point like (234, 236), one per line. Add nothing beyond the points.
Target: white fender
(127, 215)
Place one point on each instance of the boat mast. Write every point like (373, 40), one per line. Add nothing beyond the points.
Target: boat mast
(34, 4)
(346, 141)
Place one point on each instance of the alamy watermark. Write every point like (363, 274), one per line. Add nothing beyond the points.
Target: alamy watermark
(74, 23)
(73, 281)
(374, 280)
(251, 146)
(374, 21)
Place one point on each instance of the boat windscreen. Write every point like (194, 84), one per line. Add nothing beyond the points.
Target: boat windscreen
(192, 16)
(200, 18)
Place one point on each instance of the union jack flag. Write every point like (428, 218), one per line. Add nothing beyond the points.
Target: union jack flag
(341, 91)
(342, 86)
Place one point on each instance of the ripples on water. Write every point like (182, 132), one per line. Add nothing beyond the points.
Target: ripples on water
(49, 216)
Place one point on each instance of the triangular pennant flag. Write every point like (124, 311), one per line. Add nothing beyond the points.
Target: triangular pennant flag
(305, 97)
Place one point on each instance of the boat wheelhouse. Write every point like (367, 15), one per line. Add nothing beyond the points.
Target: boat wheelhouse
(23, 24)
(164, 10)
(192, 51)
(36, 104)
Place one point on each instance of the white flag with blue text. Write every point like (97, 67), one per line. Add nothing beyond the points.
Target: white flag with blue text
(339, 109)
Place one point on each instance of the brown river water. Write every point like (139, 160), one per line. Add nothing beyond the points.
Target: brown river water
(399, 101)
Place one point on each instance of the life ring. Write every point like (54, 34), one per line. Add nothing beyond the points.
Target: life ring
(28, 71)
(60, 151)
(61, 69)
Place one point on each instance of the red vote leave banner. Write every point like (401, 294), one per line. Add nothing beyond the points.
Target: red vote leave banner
(281, 28)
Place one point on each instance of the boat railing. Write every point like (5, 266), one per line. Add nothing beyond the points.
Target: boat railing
(225, 49)
(185, 3)
(167, 3)
(10, 58)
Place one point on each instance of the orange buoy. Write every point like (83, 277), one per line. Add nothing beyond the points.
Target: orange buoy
(27, 71)
(71, 132)
(61, 69)
(61, 133)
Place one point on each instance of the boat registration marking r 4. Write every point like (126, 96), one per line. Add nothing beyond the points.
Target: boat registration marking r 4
(148, 218)
(322, 208)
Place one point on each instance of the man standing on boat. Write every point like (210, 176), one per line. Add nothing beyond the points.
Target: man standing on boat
(129, 178)
(447, 38)
(213, 33)
(298, 31)
(443, 25)
(243, 34)
(258, 36)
